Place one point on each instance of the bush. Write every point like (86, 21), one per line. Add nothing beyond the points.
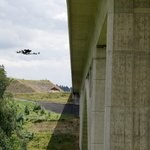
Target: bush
(37, 107)
(8, 95)
(20, 118)
(42, 111)
(7, 117)
(13, 142)
(26, 110)
(9, 139)
(17, 143)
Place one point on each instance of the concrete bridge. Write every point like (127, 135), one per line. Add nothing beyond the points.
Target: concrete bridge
(110, 60)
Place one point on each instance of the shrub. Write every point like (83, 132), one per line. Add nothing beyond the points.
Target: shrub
(42, 111)
(26, 110)
(8, 95)
(7, 117)
(36, 107)
(20, 118)
(9, 139)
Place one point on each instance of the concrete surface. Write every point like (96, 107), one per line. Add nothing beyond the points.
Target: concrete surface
(113, 82)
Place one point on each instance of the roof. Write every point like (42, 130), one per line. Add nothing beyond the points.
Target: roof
(56, 88)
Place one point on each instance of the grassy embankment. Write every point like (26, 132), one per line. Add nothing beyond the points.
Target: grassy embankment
(48, 128)
(60, 97)
(45, 130)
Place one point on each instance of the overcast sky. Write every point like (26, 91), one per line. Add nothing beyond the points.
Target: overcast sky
(40, 25)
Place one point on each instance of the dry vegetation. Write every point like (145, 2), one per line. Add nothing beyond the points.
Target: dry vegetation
(29, 86)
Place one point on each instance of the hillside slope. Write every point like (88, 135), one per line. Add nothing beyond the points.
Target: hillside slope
(29, 86)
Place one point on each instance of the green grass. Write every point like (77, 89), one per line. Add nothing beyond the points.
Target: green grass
(35, 115)
(49, 129)
(40, 141)
(61, 97)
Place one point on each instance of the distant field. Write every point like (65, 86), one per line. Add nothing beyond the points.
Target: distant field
(47, 130)
(60, 97)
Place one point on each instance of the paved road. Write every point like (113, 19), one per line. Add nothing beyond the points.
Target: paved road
(58, 108)
(61, 108)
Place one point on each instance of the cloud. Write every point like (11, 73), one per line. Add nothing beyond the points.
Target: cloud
(54, 70)
(38, 25)
(62, 17)
(32, 63)
(33, 13)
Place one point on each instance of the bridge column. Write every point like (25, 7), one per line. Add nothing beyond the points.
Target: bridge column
(97, 99)
(127, 107)
(83, 142)
(92, 104)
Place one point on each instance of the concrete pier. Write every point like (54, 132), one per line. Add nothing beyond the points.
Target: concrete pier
(110, 61)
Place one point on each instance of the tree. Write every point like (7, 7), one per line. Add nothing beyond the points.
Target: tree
(64, 88)
(3, 81)
(11, 136)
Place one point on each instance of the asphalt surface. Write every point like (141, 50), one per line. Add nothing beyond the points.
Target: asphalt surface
(61, 108)
(72, 109)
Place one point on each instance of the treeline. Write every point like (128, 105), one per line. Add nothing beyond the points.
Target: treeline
(65, 88)
(12, 136)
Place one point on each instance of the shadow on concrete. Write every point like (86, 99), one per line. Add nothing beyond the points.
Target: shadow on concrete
(66, 132)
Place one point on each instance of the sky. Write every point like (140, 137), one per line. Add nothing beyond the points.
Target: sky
(40, 25)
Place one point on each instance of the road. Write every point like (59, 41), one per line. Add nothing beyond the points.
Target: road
(57, 107)
(61, 108)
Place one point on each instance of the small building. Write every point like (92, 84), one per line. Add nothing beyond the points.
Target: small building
(55, 89)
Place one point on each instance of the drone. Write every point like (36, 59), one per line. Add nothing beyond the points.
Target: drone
(27, 52)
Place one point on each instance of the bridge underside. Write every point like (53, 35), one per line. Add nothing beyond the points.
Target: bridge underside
(110, 60)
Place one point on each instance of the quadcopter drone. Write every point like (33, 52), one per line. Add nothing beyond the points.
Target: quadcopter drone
(27, 52)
